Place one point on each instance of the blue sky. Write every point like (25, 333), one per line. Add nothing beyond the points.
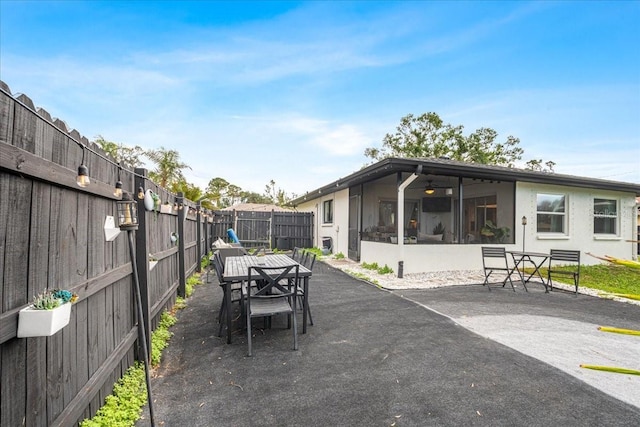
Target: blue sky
(295, 91)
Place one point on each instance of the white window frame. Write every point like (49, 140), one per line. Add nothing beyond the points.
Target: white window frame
(564, 214)
(606, 215)
(326, 203)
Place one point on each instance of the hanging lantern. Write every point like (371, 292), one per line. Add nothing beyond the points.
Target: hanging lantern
(127, 213)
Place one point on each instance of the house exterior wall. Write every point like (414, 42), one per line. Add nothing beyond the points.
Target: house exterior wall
(580, 222)
(338, 229)
(427, 258)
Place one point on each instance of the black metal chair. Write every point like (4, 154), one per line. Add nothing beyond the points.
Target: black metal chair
(495, 259)
(275, 296)
(235, 287)
(307, 260)
(570, 260)
(296, 254)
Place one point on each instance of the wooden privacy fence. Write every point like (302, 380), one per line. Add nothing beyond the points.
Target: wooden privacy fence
(52, 235)
(271, 229)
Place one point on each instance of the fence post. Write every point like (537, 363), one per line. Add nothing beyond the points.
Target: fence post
(142, 260)
(207, 245)
(272, 238)
(198, 236)
(182, 215)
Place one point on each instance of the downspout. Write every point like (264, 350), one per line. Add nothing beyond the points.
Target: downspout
(400, 220)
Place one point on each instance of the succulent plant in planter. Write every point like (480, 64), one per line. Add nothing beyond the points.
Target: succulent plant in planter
(49, 312)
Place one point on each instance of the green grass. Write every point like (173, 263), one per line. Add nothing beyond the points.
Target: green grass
(607, 278)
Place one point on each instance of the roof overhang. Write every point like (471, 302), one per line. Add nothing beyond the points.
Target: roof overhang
(455, 168)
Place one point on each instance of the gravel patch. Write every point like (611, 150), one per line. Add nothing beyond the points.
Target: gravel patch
(438, 279)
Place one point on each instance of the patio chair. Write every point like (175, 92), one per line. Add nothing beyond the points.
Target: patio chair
(308, 260)
(570, 260)
(275, 297)
(296, 254)
(495, 259)
(235, 287)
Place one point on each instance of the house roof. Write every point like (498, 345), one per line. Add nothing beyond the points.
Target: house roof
(256, 207)
(444, 166)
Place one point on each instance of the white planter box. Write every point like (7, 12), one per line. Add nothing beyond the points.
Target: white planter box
(166, 208)
(42, 323)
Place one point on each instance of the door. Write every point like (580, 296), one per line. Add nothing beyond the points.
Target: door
(354, 227)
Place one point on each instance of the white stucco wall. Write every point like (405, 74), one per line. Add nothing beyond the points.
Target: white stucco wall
(580, 220)
(338, 230)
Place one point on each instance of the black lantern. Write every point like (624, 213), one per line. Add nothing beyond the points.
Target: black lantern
(127, 213)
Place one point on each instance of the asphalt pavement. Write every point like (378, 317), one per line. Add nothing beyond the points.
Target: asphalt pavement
(455, 356)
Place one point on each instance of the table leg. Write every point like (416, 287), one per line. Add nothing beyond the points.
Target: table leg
(515, 268)
(227, 302)
(305, 304)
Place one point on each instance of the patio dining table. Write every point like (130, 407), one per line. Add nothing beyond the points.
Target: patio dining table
(537, 259)
(236, 268)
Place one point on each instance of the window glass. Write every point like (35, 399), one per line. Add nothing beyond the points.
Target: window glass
(605, 216)
(551, 216)
(327, 212)
(387, 214)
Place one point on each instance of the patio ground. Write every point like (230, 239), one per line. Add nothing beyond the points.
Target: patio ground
(457, 355)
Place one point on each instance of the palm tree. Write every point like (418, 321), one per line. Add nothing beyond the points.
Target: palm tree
(168, 166)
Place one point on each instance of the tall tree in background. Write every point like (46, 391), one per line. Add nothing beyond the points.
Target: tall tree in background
(277, 196)
(168, 166)
(253, 197)
(129, 156)
(216, 190)
(428, 136)
(190, 191)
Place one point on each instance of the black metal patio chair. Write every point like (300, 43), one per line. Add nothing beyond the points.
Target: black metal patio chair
(570, 260)
(275, 296)
(495, 259)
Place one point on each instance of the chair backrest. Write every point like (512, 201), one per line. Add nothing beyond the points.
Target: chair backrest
(274, 281)
(493, 252)
(296, 254)
(218, 268)
(563, 255)
(309, 260)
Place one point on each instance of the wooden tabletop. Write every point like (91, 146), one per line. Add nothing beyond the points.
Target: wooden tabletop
(236, 268)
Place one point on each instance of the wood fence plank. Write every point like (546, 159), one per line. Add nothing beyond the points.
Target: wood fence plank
(13, 383)
(7, 106)
(36, 382)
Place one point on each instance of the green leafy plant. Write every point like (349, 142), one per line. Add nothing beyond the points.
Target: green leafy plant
(192, 281)
(374, 266)
(370, 265)
(50, 299)
(491, 233)
(438, 229)
(339, 255)
(123, 407)
(160, 336)
(385, 270)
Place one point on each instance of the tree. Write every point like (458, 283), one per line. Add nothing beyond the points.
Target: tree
(428, 136)
(168, 166)
(253, 197)
(216, 190)
(190, 191)
(130, 156)
(277, 196)
(536, 165)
